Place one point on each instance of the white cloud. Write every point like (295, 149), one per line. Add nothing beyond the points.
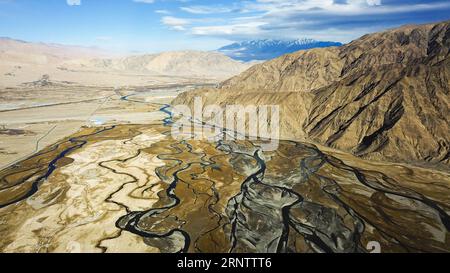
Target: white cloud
(162, 11)
(249, 28)
(338, 20)
(374, 2)
(74, 2)
(175, 23)
(206, 9)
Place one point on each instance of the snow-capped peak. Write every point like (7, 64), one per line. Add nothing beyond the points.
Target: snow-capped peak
(265, 49)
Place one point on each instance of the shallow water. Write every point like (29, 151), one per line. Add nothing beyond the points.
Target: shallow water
(224, 196)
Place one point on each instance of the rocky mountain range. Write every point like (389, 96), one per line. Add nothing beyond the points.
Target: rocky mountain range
(257, 50)
(180, 63)
(384, 96)
(23, 62)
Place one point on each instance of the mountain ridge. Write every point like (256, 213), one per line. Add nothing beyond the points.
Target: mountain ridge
(384, 96)
(181, 63)
(22, 62)
(264, 49)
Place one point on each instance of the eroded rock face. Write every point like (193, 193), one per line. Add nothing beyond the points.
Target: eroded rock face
(384, 96)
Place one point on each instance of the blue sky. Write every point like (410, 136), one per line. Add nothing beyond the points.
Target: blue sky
(161, 25)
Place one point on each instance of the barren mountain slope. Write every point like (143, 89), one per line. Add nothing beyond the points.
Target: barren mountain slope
(384, 96)
(179, 63)
(300, 71)
(24, 62)
(21, 52)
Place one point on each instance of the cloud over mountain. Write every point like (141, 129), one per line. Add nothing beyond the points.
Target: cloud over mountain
(340, 20)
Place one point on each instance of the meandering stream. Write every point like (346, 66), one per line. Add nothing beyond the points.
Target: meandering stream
(231, 196)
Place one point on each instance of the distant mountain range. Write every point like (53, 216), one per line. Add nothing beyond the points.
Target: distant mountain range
(173, 63)
(269, 49)
(24, 62)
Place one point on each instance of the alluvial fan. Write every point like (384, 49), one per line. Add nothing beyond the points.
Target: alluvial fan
(158, 194)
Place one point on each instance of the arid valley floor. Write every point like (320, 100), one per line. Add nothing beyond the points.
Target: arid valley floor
(108, 177)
